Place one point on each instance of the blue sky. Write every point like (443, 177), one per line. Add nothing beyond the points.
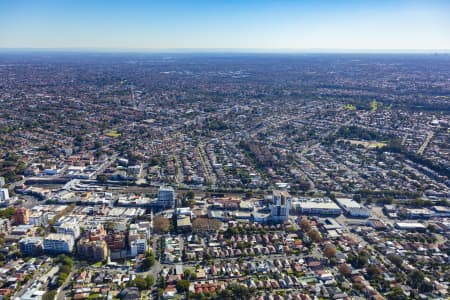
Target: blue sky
(232, 24)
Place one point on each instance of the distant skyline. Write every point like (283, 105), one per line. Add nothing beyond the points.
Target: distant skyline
(256, 25)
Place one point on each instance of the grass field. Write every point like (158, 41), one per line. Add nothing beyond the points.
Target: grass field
(113, 134)
(366, 144)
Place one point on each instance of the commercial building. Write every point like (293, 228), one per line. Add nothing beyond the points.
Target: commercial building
(377, 224)
(38, 218)
(281, 204)
(56, 243)
(316, 206)
(22, 216)
(441, 211)
(410, 226)
(184, 211)
(71, 227)
(184, 223)
(166, 197)
(137, 232)
(352, 208)
(31, 246)
(418, 213)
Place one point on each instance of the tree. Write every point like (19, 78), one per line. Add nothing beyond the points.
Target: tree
(102, 178)
(140, 283)
(415, 278)
(314, 235)
(149, 260)
(150, 281)
(65, 260)
(183, 286)
(373, 271)
(345, 270)
(161, 224)
(235, 291)
(329, 251)
(7, 213)
(185, 202)
(360, 260)
(395, 259)
(161, 282)
(396, 294)
(49, 295)
(305, 225)
(190, 195)
(189, 275)
(426, 287)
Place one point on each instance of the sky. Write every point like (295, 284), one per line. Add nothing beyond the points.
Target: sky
(226, 24)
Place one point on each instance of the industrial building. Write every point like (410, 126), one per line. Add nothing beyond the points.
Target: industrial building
(316, 206)
(353, 208)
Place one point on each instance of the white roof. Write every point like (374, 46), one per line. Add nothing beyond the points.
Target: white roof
(317, 205)
(410, 224)
(348, 203)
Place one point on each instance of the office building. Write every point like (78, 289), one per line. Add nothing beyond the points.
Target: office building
(71, 227)
(138, 247)
(31, 246)
(166, 197)
(281, 204)
(56, 243)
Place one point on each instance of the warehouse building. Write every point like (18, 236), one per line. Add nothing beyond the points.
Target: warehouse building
(353, 208)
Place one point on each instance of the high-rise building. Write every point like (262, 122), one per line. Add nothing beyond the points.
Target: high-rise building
(4, 195)
(92, 250)
(5, 226)
(115, 240)
(22, 216)
(166, 197)
(281, 204)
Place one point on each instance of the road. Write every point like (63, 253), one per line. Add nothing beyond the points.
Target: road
(62, 289)
(106, 165)
(425, 143)
(36, 276)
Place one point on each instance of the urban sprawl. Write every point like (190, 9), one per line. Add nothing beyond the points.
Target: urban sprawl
(224, 176)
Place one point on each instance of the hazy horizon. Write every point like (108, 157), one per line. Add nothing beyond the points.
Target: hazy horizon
(268, 26)
(229, 50)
